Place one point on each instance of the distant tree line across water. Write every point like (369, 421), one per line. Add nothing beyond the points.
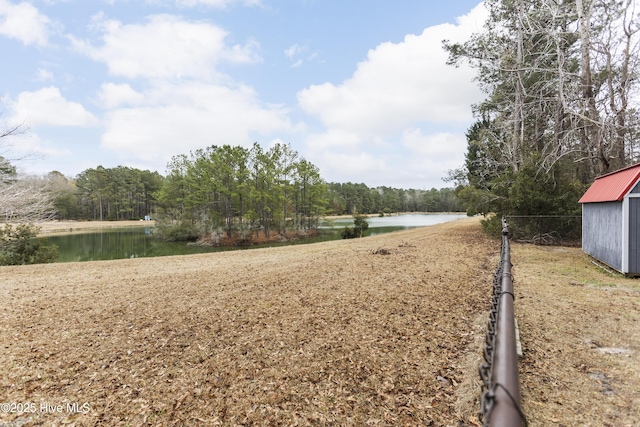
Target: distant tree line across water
(229, 184)
(349, 198)
(226, 191)
(107, 194)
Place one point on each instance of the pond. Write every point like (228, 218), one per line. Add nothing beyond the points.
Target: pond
(134, 242)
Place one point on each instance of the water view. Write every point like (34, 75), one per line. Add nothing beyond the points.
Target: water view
(134, 242)
(387, 224)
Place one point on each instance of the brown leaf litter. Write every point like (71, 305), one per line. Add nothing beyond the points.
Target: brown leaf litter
(384, 330)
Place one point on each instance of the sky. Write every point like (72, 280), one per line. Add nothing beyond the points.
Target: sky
(360, 88)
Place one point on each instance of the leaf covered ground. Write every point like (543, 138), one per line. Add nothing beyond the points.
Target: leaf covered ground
(580, 332)
(383, 331)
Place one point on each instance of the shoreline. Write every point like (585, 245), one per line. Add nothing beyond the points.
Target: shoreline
(66, 227)
(50, 228)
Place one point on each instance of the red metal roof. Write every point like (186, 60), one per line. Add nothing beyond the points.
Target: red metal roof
(613, 186)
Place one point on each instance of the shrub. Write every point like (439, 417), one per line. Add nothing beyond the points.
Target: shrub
(360, 226)
(348, 233)
(19, 246)
(180, 231)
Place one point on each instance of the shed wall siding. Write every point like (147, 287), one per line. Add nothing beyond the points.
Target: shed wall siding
(634, 235)
(636, 189)
(602, 232)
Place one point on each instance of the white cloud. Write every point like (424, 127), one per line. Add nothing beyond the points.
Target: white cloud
(334, 138)
(440, 144)
(176, 118)
(44, 75)
(47, 106)
(355, 166)
(185, 103)
(29, 146)
(415, 160)
(388, 117)
(113, 95)
(165, 46)
(23, 22)
(295, 53)
(397, 85)
(431, 156)
(294, 50)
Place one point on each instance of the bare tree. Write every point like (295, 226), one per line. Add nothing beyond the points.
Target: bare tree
(562, 82)
(26, 199)
(23, 198)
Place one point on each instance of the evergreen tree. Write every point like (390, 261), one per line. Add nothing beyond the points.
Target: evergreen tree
(559, 78)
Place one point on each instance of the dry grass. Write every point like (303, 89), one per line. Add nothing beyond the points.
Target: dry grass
(49, 228)
(580, 329)
(382, 331)
(372, 331)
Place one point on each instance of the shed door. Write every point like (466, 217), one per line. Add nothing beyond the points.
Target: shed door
(634, 235)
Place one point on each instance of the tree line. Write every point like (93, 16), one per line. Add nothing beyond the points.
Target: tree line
(227, 190)
(107, 194)
(95, 194)
(560, 79)
(352, 198)
(216, 191)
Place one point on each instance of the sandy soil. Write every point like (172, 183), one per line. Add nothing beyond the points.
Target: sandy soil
(385, 330)
(64, 227)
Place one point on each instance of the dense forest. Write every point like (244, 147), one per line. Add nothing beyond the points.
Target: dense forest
(349, 198)
(216, 191)
(106, 193)
(561, 79)
(222, 190)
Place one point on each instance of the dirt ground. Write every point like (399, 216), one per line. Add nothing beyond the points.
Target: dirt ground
(63, 227)
(580, 332)
(385, 331)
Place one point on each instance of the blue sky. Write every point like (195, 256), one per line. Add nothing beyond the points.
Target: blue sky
(359, 88)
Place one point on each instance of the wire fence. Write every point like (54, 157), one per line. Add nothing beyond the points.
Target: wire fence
(563, 230)
(500, 400)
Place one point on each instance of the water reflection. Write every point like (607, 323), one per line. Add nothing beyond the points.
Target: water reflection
(401, 222)
(136, 242)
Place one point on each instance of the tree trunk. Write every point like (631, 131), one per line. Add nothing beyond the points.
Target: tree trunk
(592, 143)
